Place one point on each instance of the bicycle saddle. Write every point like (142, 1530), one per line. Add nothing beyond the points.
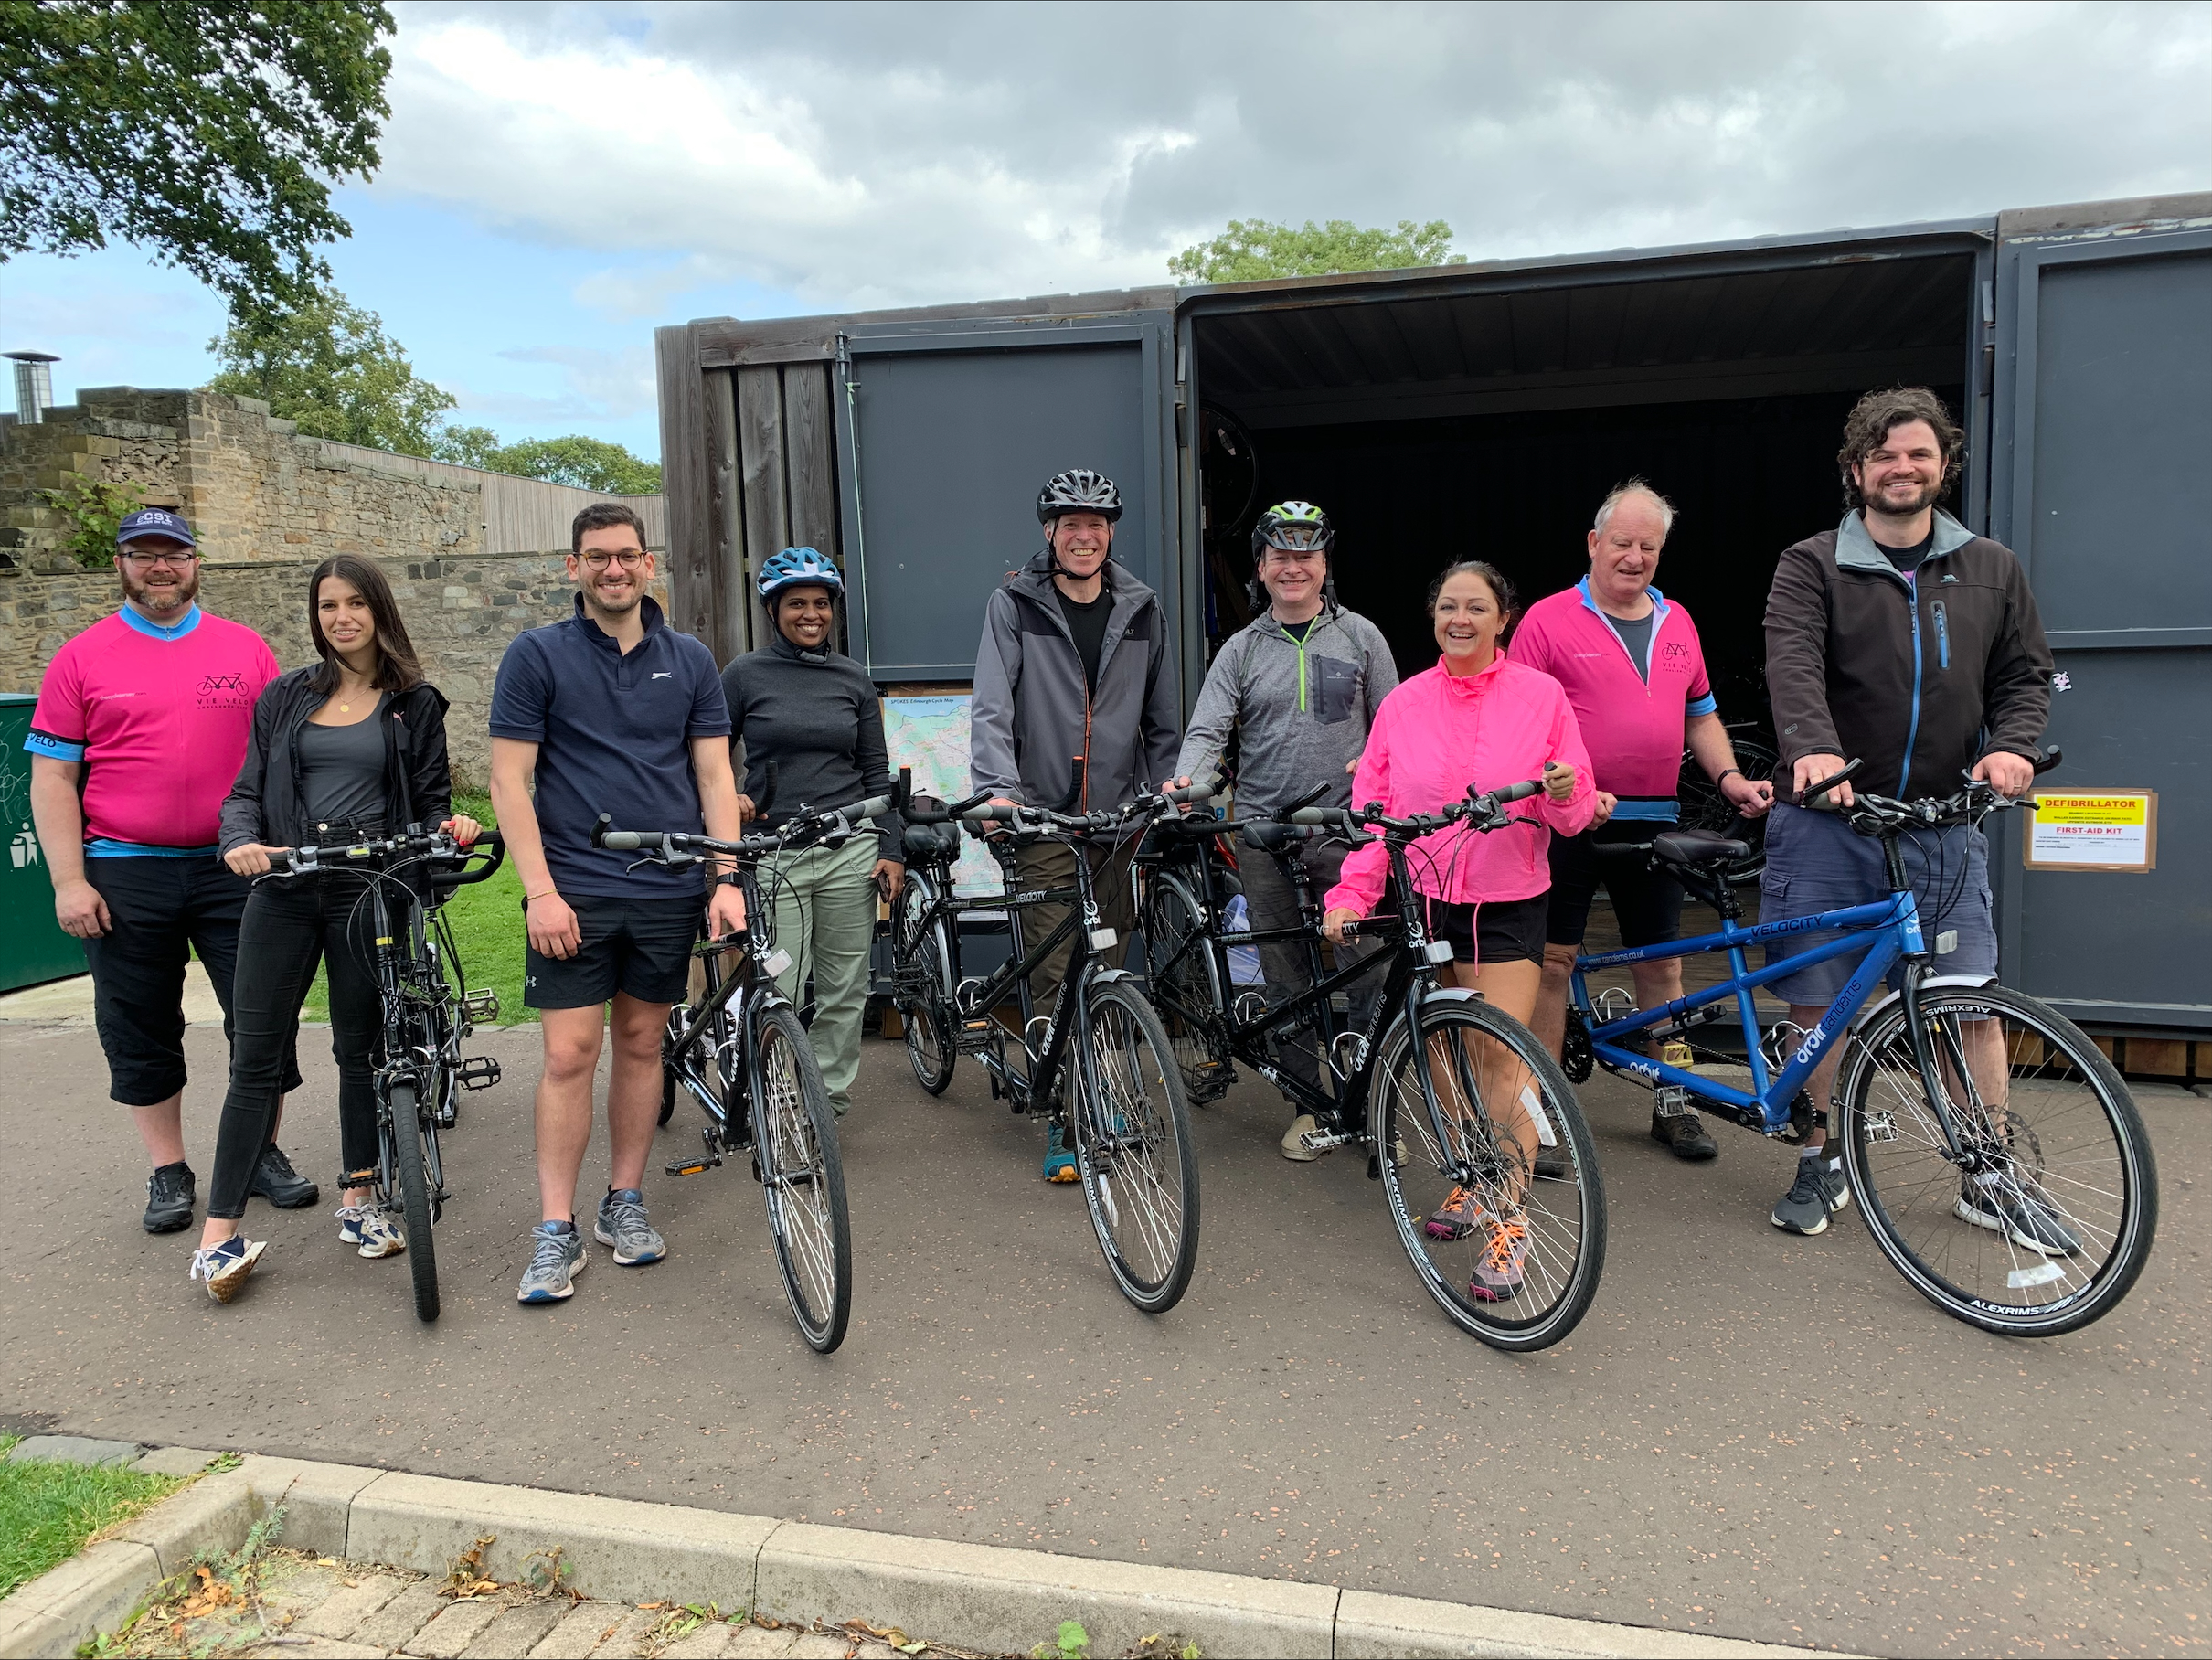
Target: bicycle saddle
(1697, 847)
(1274, 839)
(927, 843)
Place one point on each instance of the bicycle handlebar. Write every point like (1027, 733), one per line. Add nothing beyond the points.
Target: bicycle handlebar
(431, 843)
(678, 848)
(1046, 818)
(1484, 813)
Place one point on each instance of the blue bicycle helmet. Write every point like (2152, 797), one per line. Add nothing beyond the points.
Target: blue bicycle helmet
(797, 566)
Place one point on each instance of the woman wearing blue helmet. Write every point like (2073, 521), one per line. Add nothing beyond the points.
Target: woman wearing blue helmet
(804, 707)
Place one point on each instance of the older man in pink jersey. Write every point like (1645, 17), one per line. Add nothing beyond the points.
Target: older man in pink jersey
(1635, 672)
(141, 725)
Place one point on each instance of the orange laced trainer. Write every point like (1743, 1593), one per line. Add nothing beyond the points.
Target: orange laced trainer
(1497, 1277)
(1457, 1217)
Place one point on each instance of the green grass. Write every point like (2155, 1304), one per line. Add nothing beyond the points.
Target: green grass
(486, 920)
(48, 1510)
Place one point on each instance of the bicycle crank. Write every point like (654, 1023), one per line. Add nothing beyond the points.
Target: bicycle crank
(709, 1160)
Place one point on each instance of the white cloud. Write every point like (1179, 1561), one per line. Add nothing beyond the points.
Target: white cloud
(875, 156)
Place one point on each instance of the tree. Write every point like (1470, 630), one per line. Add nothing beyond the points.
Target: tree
(1252, 250)
(206, 134)
(329, 366)
(589, 463)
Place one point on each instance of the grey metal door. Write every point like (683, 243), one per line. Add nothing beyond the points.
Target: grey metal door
(2103, 487)
(946, 431)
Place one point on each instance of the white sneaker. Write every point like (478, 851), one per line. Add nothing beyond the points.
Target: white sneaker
(373, 1232)
(1293, 1141)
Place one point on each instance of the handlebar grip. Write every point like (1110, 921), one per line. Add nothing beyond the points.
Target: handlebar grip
(1192, 792)
(1520, 792)
(1331, 818)
(598, 829)
(2051, 758)
(993, 814)
(490, 841)
(1851, 770)
(280, 861)
(618, 841)
(1308, 799)
(875, 806)
(1075, 790)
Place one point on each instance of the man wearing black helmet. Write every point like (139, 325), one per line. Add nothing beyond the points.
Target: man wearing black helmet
(1076, 664)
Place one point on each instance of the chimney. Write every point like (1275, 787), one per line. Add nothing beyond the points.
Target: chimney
(34, 384)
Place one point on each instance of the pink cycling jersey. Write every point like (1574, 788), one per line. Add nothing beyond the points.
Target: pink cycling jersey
(1633, 722)
(160, 718)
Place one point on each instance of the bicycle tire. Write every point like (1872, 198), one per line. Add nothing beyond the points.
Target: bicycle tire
(409, 1169)
(1130, 1119)
(1564, 1219)
(920, 987)
(796, 1137)
(2073, 1144)
(1184, 989)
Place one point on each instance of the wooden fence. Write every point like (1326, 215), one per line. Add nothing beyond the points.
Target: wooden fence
(520, 515)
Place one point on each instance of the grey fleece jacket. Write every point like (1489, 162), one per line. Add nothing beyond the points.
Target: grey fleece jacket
(1303, 711)
(1032, 714)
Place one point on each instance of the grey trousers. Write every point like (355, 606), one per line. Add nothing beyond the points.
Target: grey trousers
(1271, 899)
(1052, 865)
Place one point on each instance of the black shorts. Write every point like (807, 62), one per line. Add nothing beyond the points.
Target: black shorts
(1501, 931)
(161, 910)
(1647, 904)
(638, 946)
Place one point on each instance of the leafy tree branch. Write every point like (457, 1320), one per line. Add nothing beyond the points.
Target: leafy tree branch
(1253, 251)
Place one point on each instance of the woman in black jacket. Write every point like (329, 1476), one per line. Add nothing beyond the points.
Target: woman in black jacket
(354, 746)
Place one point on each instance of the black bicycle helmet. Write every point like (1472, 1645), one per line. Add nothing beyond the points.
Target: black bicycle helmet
(1079, 489)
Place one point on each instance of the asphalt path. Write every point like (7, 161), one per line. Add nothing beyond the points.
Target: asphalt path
(1751, 1434)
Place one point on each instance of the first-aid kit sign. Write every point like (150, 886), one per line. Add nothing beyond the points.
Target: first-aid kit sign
(2094, 830)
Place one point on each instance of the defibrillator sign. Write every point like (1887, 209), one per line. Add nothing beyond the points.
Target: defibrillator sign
(2093, 830)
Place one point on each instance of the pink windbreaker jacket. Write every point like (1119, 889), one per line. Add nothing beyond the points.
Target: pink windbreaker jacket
(1440, 732)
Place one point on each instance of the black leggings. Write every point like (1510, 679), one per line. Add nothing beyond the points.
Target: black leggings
(288, 923)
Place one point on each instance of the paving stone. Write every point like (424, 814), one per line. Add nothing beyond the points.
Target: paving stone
(582, 1629)
(452, 1632)
(814, 1645)
(317, 1648)
(75, 1450)
(759, 1643)
(631, 1637)
(517, 1630)
(708, 1643)
(177, 1461)
(399, 1619)
(350, 1605)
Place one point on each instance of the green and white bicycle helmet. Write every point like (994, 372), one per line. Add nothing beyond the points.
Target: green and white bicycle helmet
(1294, 527)
(794, 567)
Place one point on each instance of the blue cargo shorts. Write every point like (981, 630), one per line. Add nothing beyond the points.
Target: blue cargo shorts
(1817, 862)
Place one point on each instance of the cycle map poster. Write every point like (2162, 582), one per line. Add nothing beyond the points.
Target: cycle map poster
(2093, 830)
(929, 732)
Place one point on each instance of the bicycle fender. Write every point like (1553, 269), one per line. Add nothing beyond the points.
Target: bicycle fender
(1890, 999)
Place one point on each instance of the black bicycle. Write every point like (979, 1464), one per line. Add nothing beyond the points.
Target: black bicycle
(1703, 807)
(1099, 1065)
(742, 1054)
(1474, 1133)
(420, 1070)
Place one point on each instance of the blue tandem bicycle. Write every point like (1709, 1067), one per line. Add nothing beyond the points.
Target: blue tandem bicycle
(1996, 1155)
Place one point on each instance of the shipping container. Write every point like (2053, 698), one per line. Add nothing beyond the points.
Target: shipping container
(1484, 409)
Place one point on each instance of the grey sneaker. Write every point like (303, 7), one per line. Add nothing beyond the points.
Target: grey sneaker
(2027, 1220)
(623, 1224)
(557, 1257)
(1817, 1190)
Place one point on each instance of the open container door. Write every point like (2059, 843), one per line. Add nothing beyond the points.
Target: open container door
(947, 429)
(2102, 419)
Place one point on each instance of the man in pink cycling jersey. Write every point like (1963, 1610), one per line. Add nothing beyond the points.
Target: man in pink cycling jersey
(1635, 672)
(141, 725)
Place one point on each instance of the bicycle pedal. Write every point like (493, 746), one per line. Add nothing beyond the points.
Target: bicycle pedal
(1323, 1141)
(480, 1006)
(690, 1167)
(478, 1072)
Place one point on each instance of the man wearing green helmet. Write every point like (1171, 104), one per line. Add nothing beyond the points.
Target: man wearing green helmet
(1298, 687)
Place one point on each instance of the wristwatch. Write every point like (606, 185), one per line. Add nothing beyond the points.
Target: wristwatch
(729, 879)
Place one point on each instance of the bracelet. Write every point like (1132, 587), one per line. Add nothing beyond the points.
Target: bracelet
(1724, 771)
(532, 899)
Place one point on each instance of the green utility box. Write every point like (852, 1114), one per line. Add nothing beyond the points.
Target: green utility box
(32, 946)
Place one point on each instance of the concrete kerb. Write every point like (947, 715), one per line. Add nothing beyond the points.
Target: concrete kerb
(977, 1596)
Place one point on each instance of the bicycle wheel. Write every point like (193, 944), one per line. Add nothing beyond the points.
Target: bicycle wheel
(1703, 807)
(2048, 1221)
(1514, 1254)
(1133, 1146)
(919, 984)
(406, 1131)
(1186, 989)
(805, 1181)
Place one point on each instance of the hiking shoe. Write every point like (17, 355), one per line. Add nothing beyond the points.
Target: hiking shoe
(1059, 1160)
(1497, 1276)
(275, 1180)
(1295, 1147)
(372, 1232)
(223, 1267)
(1456, 1218)
(622, 1224)
(557, 1257)
(2026, 1220)
(1682, 1134)
(170, 1191)
(1817, 1190)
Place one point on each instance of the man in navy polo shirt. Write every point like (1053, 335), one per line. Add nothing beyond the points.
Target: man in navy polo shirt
(611, 710)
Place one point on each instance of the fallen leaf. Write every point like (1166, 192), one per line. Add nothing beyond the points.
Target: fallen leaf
(326, 1562)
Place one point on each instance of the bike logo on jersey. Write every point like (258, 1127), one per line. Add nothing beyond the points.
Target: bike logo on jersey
(223, 683)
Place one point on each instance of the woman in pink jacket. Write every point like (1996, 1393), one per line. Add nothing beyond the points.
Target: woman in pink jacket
(1480, 719)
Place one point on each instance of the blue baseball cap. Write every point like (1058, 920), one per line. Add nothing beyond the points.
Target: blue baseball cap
(154, 521)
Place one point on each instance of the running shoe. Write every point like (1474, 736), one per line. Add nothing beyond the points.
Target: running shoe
(623, 1224)
(1819, 1190)
(223, 1267)
(1682, 1134)
(2026, 1220)
(1497, 1276)
(1059, 1159)
(1294, 1146)
(557, 1257)
(170, 1191)
(275, 1180)
(1457, 1217)
(371, 1231)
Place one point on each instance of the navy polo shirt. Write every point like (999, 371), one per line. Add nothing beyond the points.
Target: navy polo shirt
(613, 734)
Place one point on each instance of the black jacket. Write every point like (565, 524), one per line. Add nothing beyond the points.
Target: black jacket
(267, 806)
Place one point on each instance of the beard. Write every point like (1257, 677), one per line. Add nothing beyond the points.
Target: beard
(1927, 496)
(615, 606)
(168, 596)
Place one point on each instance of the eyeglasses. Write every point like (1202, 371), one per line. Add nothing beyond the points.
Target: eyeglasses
(179, 557)
(631, 559)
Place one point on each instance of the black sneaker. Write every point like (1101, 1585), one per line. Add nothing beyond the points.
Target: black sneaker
(275, 1180)
(1553, 1164)
(1682, 1134)
(170, 1191)
(1817, 1191)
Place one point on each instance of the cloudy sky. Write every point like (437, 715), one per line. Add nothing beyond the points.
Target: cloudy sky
(560, 178)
